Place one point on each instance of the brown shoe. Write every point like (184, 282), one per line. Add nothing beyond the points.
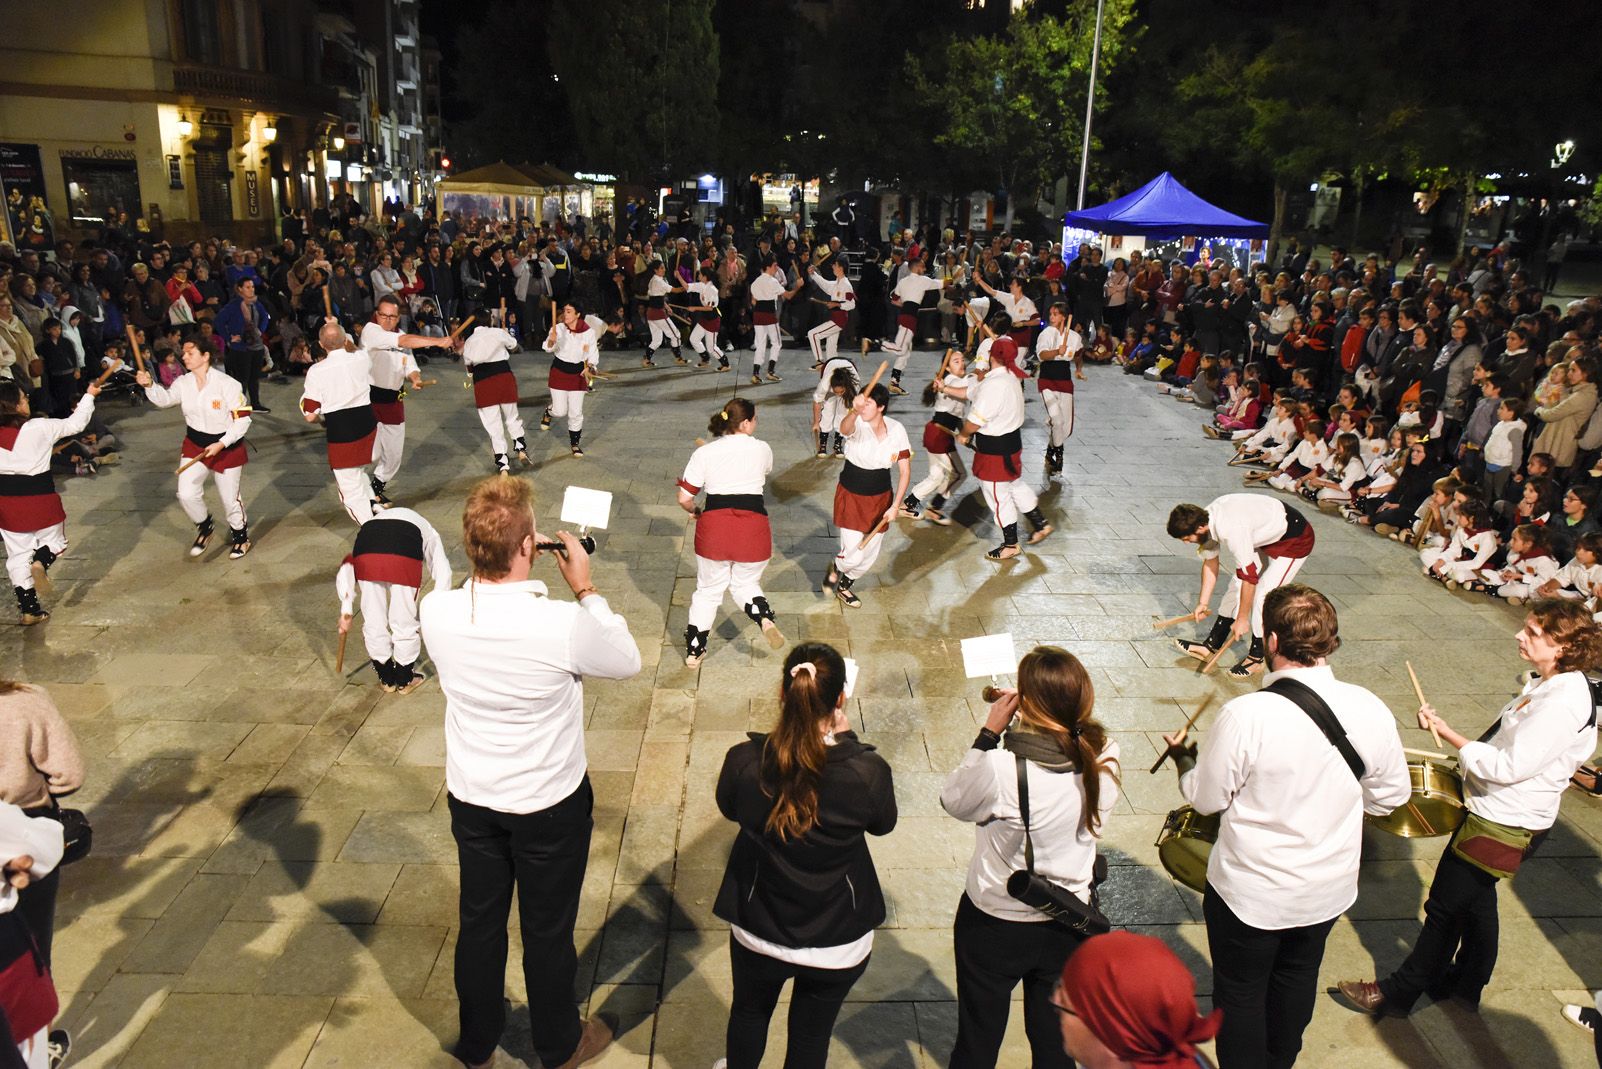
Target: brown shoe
(595, 1038)
(1364, 996)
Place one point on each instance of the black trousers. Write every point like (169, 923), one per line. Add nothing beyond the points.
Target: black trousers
(993, 956)
(37, 905)
(1265, 982)
(244, 367)
(543, 855)
(814, 1005)
(1459, 919)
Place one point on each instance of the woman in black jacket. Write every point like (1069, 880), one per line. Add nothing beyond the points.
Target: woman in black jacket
(800, 892)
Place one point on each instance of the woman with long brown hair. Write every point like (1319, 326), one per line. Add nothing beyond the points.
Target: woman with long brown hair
(1043, 734)
(800, 891)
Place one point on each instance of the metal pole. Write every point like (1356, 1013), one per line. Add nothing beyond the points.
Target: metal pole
(1090, 103)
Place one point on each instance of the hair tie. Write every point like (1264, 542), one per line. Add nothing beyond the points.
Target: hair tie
(1075, 731)
(804, 666)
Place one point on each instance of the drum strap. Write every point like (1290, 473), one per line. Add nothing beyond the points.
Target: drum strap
(1596, 701)
(1307, 700)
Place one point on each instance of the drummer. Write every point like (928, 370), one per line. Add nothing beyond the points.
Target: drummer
(1513, 779)
(1291, 809)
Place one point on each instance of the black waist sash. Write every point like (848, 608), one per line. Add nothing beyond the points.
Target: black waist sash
(952, 422)
(400, 538)
(867, 482)
(1060, 368)
(491, 369)
(1295, 523)
(768, 306)
(567, 368)
(658, 301)
(201, 438)
(910, 308)
(1005, 445)
(27, 485)
(748, 502)
(380, 396)
(349, 424)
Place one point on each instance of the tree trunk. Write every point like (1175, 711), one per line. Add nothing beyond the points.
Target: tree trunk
(1358, 182)
(1006, 226)
(1275, 229)
(1469, 181)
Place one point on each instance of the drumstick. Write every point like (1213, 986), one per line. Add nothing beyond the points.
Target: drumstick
(1429, 829)
(1434, 732)
(1163, 625)
(133, 340)
(1428, 755)
(339, 655)
(1200, 709)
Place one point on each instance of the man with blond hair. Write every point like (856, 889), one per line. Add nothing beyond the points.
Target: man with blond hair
(512, 663)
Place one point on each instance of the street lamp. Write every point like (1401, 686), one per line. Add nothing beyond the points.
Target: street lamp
(269, 132)
(1561, 152)
(185, 127)
(339, 143)
(1090, 103)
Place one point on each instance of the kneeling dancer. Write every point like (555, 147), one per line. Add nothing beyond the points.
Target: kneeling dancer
(732, 538)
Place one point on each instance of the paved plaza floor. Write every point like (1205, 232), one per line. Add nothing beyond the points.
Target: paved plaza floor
(273, 881)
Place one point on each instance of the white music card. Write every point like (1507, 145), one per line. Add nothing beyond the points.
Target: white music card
(586, 508)
(989, 655)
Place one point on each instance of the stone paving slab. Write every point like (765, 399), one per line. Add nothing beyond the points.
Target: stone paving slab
(274, 882)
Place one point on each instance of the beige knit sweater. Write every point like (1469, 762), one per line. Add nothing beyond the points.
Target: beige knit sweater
(39, 756)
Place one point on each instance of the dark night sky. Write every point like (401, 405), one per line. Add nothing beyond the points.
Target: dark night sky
(439, 19)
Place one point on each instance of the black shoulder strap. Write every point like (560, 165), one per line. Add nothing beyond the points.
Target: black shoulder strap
(1317, 710)
(1023, 810)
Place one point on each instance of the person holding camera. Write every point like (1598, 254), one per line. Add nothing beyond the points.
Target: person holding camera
(1291, 769)
(512, 663)
(800, 891)
(1039, 801)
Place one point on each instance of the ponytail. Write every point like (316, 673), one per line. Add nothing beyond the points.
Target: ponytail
(730, 416)
(845, 380)
(1056, 697)
(794, 753)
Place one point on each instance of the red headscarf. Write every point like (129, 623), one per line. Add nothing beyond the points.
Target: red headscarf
(1138, 999)
(1004, 351)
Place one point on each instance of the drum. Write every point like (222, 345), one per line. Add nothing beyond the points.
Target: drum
(1185, 843)
(1436, 806)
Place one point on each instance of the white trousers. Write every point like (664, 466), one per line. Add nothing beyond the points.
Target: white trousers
(1059, 415)
(1282, 481)
(389, 621)
(705, 342)
(1007, 500)
(945, 472)
(901, 347)
(1280, 571)
(387, 447)
(494, 416)
(35, 1050)
(191, 494)
(833, 412)
(767, 341)
(1331, 493)
(355, 493)
(857, 552)
(825, 341)
(567, 404)
(663, 330)
(21, 544)
(713, 578)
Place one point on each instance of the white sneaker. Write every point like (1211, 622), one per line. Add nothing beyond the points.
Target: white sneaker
(721, 1063)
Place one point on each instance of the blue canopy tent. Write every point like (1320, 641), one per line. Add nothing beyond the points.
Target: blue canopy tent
(1162, 208)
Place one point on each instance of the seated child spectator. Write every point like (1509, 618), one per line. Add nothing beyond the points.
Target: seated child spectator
(1467, 552)
(1299, 463)
(1435, 520)
(1333, 485)
(1580, 577)
(1528, 567)
(1258, 447)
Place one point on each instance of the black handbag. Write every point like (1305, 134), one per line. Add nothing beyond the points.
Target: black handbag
(1055, 901)
(76, 834)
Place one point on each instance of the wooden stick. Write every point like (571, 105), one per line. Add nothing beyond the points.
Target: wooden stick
(133, 340)
(339, 654)
(186, 465)
(877, 375)
(106, 374)
(1200, 709)
(459, 328)
(1163, 625)
(1212, 661)
(328, 302)
(1434, 732)
(1418, 543)
(1428, 755)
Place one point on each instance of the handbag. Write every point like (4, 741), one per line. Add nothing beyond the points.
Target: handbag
(179, 313)
(76, 834)
(1497, 849)
(1055, 901)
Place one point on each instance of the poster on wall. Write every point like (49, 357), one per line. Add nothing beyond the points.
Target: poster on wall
(28, 222)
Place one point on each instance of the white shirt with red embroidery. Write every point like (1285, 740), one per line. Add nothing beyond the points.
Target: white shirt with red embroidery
(837, 289)
(391, 363)
(219, 407)
(867, 450)
(911, 288)
(729, 464)
(337, 382)
(1241, 524)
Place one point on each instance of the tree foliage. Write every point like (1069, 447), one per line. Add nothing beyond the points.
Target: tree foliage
(515, 117)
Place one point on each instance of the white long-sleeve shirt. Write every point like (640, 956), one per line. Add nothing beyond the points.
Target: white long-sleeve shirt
(391, 364)
(571, 347)
(1469, 549)
(1576, 580)
(486, 345)
(1291, 833)
(837, 289)
(218, 407)
(996, 406)
(1240, 524)
(1505, 446)
(983, 790)
(339, 381)
(512, 664)
(1310, 455)
(911, 288)
(1276, 431)
(21, 835)
(29, 454)
(434, 558)
(1518, 777)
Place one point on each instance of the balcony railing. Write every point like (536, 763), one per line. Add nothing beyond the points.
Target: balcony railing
(253, 87)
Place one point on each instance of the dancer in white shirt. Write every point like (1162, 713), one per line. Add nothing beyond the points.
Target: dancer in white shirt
(661, 324)
(216, 417)
(1241, 525)
(732, 538)
(393, 365)
(1059, 346)
(831, 400)
(32, 520)
(385, 569)
(1291, 769)
(994, 424)
(864, 503)
(908, 298)
(337, 390)
(708, 321)
(484, 356)
(512, 664)
(949, 394)
(1021, 312)
(575, 350)
(1514, 777)
(767, 290)
(825, 337)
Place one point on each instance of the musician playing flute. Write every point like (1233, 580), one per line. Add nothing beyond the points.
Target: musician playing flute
(1514, 776)
(1290, 770)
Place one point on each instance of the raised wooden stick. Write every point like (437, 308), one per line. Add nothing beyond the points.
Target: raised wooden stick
(1434, 733)
(186, 465)
(133, 340)
(1428, 755)
(459, 328)
(1200, 709)
(328, 302)
(883, 364)
(1212, 662)
(1163, 625)
(106, 374)
(339, 654)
